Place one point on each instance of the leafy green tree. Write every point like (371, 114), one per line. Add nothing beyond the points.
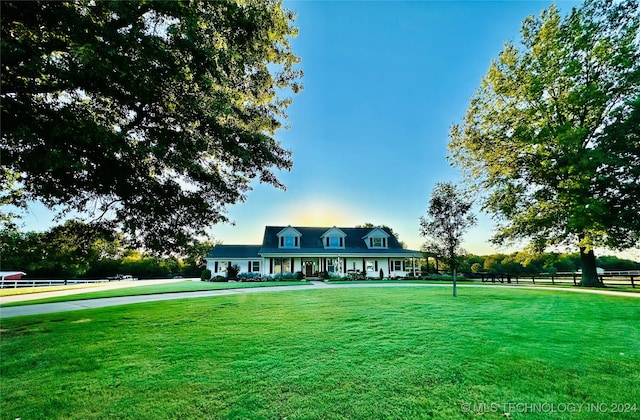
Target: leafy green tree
(195, 254)
(19, 250)
(553, 133)
(614, 263)
(448, 218)
(151, 115)
(68, 250)
(434, 249)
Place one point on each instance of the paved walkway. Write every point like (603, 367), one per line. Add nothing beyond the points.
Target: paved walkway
(77, 305)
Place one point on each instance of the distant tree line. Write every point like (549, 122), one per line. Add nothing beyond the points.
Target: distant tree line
(522, 263)
(81, 250)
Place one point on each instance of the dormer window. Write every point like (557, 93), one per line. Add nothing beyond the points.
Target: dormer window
(333, 238)
(289, 237)
(377, 238)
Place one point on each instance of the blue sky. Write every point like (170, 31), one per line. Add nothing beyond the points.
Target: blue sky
(384, 81)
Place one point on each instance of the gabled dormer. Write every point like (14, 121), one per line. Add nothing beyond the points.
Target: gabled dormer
(289, 237)
(377, 238)
(333, 238)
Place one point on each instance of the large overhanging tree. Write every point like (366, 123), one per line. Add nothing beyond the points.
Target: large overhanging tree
(552, 137)
(153, 116)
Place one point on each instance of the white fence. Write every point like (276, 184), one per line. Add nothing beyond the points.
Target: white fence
(14, 284)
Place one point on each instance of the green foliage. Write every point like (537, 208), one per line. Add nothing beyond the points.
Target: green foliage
(250, 277)
(76, 249)
(66, 251)
(194, 256)
(550, 262)
(155, 115)
(233, 271)
(283, 277)
(448, 218)
(206, 275)
(552, 137)
(476, 267)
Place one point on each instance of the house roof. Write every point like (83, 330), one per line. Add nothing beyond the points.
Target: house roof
(311, 244)
(235, 251)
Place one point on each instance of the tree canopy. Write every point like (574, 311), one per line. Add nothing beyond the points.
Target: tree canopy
(152, 116)
(551, 139)
(81, 250)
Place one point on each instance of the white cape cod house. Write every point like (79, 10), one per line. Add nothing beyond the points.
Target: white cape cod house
(313, 250)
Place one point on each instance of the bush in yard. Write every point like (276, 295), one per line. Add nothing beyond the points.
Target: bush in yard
(233, 271)
(300, 275)
(250, 277)
(284, 276)
(206, 275)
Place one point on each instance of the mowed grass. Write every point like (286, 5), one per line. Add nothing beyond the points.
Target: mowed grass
(169, 287)
(352, 353)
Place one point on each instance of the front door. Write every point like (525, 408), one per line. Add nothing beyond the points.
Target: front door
(308, 268)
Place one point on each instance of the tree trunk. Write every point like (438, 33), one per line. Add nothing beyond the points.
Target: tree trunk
(589, 273)
(455, 289)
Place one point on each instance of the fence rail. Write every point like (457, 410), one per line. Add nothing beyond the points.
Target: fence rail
(14, 284)
(629, 278)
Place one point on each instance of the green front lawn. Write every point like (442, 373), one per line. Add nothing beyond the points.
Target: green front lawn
(328, 353)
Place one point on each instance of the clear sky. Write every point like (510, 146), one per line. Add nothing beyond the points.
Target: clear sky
(384, 81)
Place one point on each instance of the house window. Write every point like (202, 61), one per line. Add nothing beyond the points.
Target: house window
(255, 266)
(222, 266)
(281, 265)
(334, 265)
(289, 242)
(334, 242)
(370, 266)
(396, 265)
(377, 242)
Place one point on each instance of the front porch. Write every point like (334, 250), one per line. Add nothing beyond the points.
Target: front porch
(341, 266)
